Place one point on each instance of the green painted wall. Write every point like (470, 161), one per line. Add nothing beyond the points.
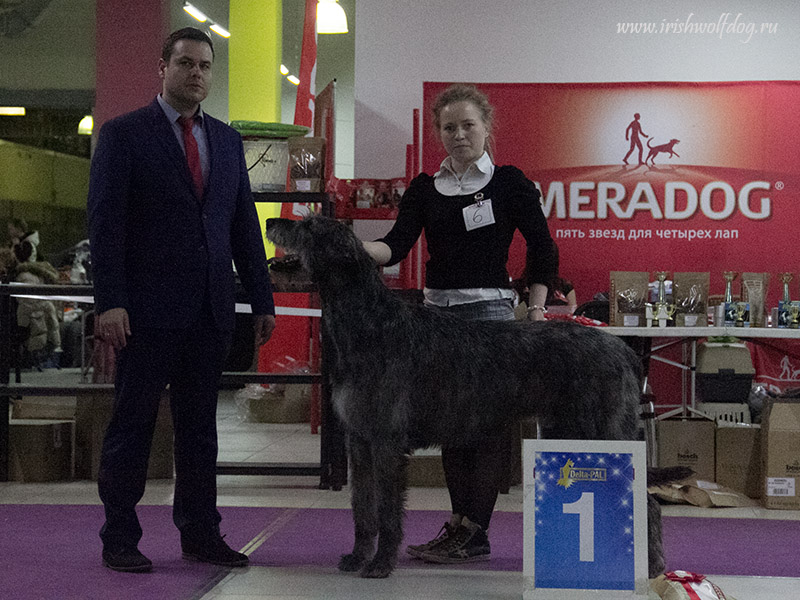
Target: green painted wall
(48, 190)
(36, 175)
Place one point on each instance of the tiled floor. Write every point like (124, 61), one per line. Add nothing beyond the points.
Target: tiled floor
(242, 441)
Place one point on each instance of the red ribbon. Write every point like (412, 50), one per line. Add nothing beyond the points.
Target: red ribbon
(686, 579)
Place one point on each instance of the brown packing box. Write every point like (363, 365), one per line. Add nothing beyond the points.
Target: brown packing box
(687, 442)
(93, 412)
(44, 407)
(40, 450)
(292, 404)
(425, 469)
(780, 454)
(739, 458)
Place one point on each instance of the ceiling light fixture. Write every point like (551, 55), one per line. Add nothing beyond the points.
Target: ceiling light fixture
(284, 70)
(196, 13)
(220, 30)
(12, 111)
(203, 18)
(331, 17)
(293, 79)
(86, 125)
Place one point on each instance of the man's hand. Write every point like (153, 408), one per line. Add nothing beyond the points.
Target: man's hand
(263, 325)
(113, 327)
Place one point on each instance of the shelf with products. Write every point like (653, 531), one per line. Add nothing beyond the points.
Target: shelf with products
(367, 199)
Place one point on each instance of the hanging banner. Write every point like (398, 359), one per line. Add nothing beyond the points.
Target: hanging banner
(652, 176)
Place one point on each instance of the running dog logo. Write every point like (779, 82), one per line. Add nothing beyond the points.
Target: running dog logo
(656, 150)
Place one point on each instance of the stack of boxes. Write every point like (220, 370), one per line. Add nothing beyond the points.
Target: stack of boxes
(60, 438)
(759, 461)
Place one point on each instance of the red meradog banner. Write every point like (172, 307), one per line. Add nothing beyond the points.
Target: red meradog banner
(653, 176)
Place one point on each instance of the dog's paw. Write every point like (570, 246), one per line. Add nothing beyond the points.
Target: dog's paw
(351, 562)
(376, 570)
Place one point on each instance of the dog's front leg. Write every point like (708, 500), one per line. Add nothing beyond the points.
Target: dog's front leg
(390, 465)
(362, 501)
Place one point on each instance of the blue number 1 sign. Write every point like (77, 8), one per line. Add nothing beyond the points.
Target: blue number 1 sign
(585, 514)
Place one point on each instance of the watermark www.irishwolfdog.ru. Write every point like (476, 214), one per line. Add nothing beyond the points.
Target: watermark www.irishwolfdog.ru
(726, 25)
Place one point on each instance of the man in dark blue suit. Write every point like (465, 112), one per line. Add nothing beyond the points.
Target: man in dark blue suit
(170, 210)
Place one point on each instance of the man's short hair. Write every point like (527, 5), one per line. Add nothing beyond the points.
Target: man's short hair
(187, 33)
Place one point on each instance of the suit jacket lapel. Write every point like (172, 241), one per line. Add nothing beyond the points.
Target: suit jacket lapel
(166, 136)
(213, 141)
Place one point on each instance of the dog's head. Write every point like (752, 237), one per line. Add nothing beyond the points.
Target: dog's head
(323, 245)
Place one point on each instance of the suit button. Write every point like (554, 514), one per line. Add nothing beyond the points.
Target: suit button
(201, 248)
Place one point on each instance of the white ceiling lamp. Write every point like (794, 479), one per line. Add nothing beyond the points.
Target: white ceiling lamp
(331, 17)
(219, 30)
(86, 125)
(203, 18)
(195, 12)
(12, 111)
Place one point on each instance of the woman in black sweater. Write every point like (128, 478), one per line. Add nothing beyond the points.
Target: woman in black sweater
(469, 211)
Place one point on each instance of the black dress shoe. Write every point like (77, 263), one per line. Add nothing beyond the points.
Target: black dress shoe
(213, 550)
(127, 560)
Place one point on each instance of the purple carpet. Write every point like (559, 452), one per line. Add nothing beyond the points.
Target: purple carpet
(53, 551)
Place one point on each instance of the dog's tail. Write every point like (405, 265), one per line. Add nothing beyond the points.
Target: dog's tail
(664, 475)
(648, 143)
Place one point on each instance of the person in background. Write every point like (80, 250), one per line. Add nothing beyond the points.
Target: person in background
(469, 211)
(8, 265)
(561, 292)
(170, 208)
(561, 298)
(24, 243)
(40, 319)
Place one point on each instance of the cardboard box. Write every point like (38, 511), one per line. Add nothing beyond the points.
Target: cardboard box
(289, 405)
(780, 454)
(738, 464)
(58, 408)
(93, 412)
(425, 468)
(40, 450)
(687, 442)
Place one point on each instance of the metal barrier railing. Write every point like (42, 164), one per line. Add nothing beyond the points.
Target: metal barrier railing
(332, 468)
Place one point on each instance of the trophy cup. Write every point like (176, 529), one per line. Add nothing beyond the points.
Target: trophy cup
(662, 311)
(785, 315)
(730, 309)
(740, 308)
(794, 312)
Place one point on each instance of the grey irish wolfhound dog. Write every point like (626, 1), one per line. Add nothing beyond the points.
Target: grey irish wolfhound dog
(406, 377)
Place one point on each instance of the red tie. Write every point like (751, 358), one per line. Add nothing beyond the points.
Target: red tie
(192, 154)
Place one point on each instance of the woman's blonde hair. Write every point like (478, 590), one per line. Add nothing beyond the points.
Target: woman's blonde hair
(461, 92)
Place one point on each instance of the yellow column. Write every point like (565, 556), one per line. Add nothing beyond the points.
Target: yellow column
(254, 79)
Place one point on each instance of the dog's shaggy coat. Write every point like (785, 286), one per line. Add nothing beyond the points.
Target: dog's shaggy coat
(406, 377)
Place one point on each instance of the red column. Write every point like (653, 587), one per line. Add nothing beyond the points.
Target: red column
(129, 36)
